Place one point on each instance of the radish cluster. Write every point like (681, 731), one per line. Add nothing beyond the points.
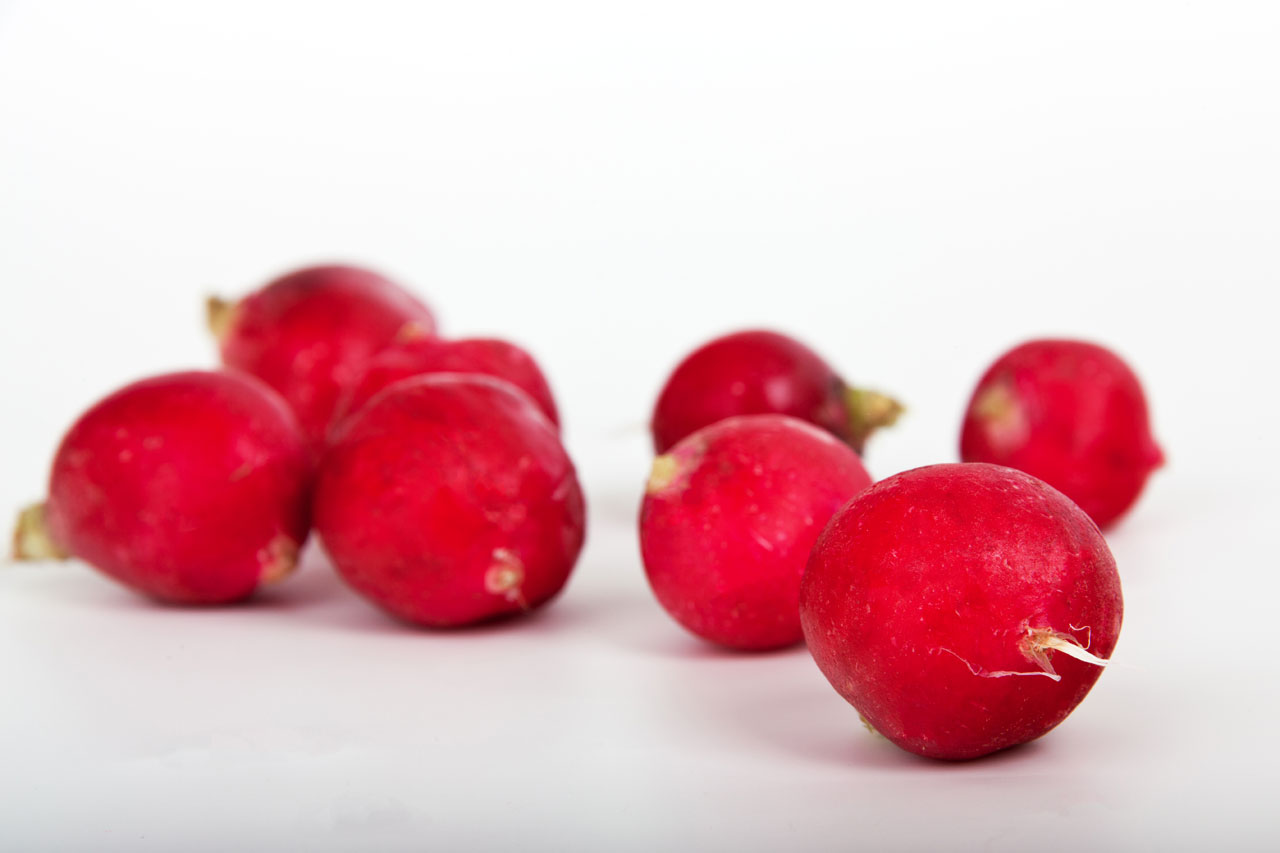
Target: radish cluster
(961, 608)
(433, 468)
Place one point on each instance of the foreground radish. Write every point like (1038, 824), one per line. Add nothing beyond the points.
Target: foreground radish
(188, 487)
(729, 518)
(309, 334)
(448, 499)
(760, 372)
(1070, 413)
(416, 356)
(961, 608)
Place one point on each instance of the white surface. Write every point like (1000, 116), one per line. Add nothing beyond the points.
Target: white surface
(911, 191)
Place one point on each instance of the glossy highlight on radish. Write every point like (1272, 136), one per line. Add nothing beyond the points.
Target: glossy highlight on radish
(1070, 413)
(729, 517)
(309, 334)
(962, 608)
(449, 500)
(761, 372)
(191, 488)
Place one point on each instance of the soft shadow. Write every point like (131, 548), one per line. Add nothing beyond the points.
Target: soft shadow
(781, 702)
(319, 599)
(675, 642)
(636, 623)
(797, 715)
(310, 586)
(791, 725)
(78, 585)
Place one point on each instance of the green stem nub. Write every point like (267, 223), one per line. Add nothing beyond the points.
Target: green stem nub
(868, 411)
(31, 540)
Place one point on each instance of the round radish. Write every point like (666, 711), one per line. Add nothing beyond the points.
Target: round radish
(728, 520)
(421, 355)
(449, 499)
(308, 334)
(188, 487)
(961, 608)
(1070, 413)
(757, 373)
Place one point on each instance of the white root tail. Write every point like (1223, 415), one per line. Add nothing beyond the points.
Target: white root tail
(1071, 648)
(1036, 645)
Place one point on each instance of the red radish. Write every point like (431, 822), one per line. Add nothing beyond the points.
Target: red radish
(449, 499)
(309, 334)
(961, 608)
(1070, 413)
(188, 487)
(729, 518)
(758, 373)
(421, 355)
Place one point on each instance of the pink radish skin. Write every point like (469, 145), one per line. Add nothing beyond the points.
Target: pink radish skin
(310, 333)
(422, 355)
(449, 500)
(962, 608)
(729, 518)
(760, 372)
(190, 487)
(1070, 413)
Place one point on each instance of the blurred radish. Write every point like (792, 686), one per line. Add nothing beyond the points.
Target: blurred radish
(758, 373)
(188, 487)
(1070, 413)
(420, 355)
(449, 499)
(310, 333)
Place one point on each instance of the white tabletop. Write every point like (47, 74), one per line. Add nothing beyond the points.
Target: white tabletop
(911, 192)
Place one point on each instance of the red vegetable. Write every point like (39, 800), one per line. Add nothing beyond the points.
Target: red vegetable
(188, 487)
(961, 609)
(760, 372)
(309, 334)
(421, 355)
(729, 518)
(1070, 413)
(448, 499)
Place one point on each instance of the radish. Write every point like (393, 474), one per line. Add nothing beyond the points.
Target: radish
(961, 608)
(308, 334)
(1070, 413)
(449, 499)
(420, 355)
(761, 372)
(729, 517)
(189, 487)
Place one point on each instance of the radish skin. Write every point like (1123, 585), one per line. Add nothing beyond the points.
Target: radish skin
(760, 372)
(729, 517)
(449, 500)
(309, 334)
(1070, 413)
(191, 488)
(961, 609)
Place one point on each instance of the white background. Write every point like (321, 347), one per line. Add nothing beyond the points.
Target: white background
(911, 188)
